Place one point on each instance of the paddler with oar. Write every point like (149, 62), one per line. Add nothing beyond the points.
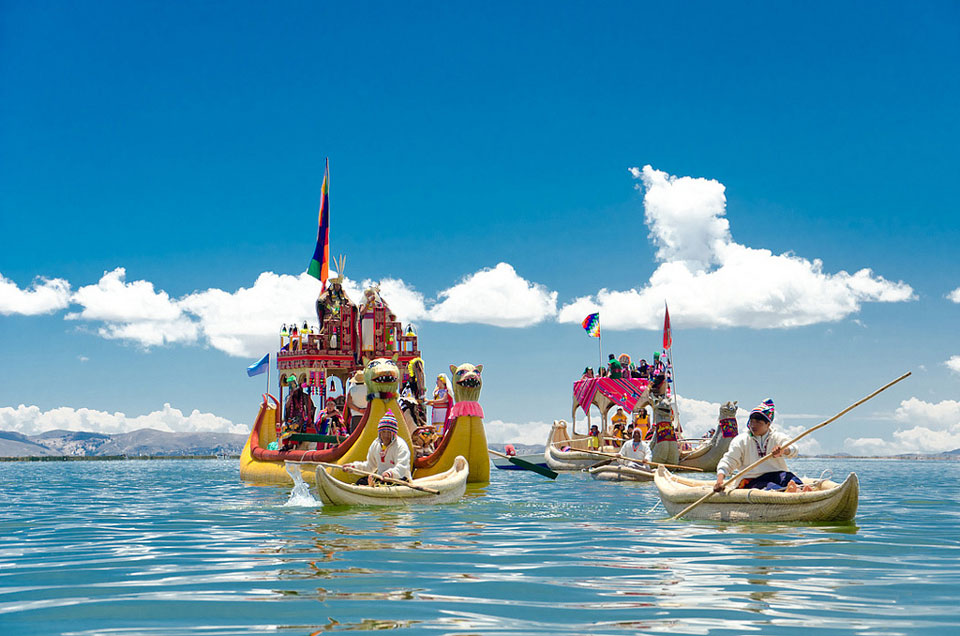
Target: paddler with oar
(756, 442)
(389, 455)
(635, 453)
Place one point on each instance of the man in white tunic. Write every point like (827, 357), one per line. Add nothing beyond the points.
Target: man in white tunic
(752, 444)
(635, 453)
(389, 455)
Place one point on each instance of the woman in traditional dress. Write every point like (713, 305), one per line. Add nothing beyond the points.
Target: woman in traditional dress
(441, 402)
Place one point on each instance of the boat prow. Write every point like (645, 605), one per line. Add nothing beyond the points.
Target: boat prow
(829, 501)
(615, 472)
(450, 485)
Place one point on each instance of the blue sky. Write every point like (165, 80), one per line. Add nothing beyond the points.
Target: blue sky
(185, 144)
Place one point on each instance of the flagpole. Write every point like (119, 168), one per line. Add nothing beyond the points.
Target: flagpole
(599, 344)
(268, 373)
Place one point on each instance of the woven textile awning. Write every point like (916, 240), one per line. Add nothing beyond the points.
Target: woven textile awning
(623, 392)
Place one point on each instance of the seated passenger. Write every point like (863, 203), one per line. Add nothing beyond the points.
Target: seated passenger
(593, 441)
(756, 442)
(389, 455)
(636, 452)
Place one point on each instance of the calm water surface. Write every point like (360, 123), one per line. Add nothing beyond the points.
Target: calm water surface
(182, 547)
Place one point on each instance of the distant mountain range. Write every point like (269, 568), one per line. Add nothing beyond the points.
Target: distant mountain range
(146, 441)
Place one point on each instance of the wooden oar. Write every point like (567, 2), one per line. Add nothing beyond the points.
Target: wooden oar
(524, 464)
(617, 456)
(733, 479)
(388, 480)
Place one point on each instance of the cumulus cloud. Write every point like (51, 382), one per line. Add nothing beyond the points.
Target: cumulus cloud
(133, 311)
(246, 322)
(44, 296)
(954, 295)
(498, 297)
(953, 364)
(712, 281)
(30, 420)
(529, 433)
(935, 429)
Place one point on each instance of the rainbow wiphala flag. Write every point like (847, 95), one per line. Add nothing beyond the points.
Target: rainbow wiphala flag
(592, 324)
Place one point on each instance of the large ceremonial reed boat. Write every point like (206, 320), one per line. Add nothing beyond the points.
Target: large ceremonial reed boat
(365, 337)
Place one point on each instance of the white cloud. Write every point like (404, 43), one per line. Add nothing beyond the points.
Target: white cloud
(530, 433)
(30, 420)
(712, 281)
(44, 296)
(246, 322)
(954, 295)
(498, 297)
(953, 364)
(936, 429)
(133, 311)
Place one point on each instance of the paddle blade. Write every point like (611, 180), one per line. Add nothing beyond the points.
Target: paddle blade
(520, 463)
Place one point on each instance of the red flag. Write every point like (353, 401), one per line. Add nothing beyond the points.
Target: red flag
(667, 336)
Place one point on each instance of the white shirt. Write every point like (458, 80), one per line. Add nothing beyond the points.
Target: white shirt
(746, 449)
(392, 461)
(358, 397)
(640, 453)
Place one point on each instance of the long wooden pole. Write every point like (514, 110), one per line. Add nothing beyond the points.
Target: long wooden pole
(790, 443)
(389, 480)
(618, 456)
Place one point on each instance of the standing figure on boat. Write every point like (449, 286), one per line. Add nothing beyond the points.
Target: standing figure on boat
(411, 396)
(756, 442)
(441, 402)
(371, 302)
(330, 303)
(614, 367)
(389, 455)
(356, 400)
(665, 447)
(298, 411)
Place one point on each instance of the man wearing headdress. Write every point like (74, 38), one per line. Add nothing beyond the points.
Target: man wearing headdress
(389, 455)
(756, 442)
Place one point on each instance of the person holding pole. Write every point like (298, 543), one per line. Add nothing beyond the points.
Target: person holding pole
(756, 442)
(635, 453)
(388, 455)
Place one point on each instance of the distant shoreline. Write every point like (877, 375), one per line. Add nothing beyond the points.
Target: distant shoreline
(108, 458)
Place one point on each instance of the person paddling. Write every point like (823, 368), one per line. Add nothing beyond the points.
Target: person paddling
(389, 455)
(635, 453)
(756, 442)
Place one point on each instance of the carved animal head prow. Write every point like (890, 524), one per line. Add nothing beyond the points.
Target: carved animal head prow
(381, 375)
(466, 381)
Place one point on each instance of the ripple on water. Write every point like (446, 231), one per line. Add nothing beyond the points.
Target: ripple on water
(181, 547)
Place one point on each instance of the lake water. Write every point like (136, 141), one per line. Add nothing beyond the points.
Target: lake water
(182, 547)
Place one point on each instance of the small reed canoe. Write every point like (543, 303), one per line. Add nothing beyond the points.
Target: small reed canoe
(505, 464)
(616, 472)
(830, 501)
(451, 485)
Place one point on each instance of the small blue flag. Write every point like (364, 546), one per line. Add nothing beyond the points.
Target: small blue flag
(259, 366)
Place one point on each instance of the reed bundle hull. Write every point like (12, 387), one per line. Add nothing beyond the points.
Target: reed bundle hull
(830, 502)
(451, 485)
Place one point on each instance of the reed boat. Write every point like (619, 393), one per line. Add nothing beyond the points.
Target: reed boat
(707, 455)
(451, 485)
(568, 453)
(616, 472)
(829, 501)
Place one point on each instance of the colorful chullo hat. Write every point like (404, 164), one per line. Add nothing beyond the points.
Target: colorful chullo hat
(388, 422)
(765, 409)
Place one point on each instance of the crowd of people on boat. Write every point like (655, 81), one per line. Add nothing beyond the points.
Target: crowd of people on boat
(622, 366)
(340, 417)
